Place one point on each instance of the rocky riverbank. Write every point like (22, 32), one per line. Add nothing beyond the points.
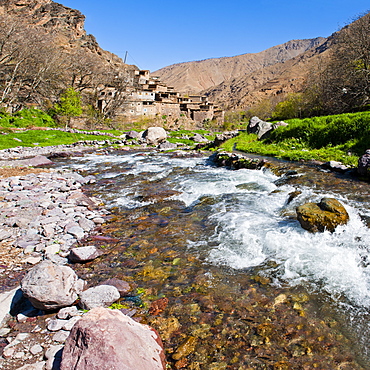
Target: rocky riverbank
(45, 220)
(43, 215)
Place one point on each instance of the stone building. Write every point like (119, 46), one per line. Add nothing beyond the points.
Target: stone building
(152, 98)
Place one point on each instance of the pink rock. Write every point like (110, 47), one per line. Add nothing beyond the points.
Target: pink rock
(105, 339)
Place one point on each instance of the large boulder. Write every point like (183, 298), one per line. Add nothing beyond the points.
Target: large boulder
(49, 286)
(363, 168)
(259, 127)
(326, 215)
(155, 135)
(108, 339)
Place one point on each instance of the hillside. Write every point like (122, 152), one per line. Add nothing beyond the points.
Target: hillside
(271, 81)
(65, 24)
(226, 74)
(45, 50)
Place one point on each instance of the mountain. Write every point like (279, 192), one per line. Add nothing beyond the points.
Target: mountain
(65, 24)
(244, 79)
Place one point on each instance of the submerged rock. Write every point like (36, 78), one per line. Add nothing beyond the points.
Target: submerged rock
(326, 215)
(108, 339)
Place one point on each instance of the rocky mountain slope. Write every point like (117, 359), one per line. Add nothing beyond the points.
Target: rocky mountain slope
(244, 79)
(66, 24)
(62, 28)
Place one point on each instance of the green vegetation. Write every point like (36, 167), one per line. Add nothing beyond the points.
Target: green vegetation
(34, 138)
(69, 105)
(177, 136)
(341, 138)
(26, 118)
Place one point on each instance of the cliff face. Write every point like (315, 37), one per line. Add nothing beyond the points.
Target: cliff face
(66, 24)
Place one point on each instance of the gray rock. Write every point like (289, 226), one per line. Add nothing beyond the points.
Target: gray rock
(155, 135)
(335, 166)
(76, 231)
(259, 127)
(86, 224)
(60, 336)
(133, 135)
(35, 349)
(167, 146)
(49, 286)
(68, 312)
(55, 324)
(54, 357)
(198, 138)
(123, 286)
(4, 235)
(99, 296)
(83, 254)
(71, 322)
(363, 167)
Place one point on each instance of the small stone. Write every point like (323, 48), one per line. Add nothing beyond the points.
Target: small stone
(83, 254)
(33, 260)
(98, 220)
(8, 352)
(4, 331)
(55, 324)
(99, 296)
(52, 249)
(35, 349)
(76, 231)
(185, 348)
(54, 357)
(60, 336)
(70, 323)
(68, 312)
(19, 355)
(123, 286)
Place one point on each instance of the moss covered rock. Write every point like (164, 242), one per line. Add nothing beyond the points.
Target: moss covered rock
(326, 215)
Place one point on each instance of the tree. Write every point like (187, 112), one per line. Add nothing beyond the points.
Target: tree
(31, 67)
(69, 105)
(291, 107)
(342, 83)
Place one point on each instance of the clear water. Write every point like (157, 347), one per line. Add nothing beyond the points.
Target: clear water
(248, 223)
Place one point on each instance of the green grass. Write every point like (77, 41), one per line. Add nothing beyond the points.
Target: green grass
(39, 138)
(340, 138)
(27, 118)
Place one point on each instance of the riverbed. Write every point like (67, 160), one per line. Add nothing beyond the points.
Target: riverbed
(244, 286)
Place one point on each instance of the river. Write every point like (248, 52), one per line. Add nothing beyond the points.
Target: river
(247, 287)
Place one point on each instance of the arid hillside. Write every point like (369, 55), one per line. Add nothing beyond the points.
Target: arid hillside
(65, 24)
(202, 75)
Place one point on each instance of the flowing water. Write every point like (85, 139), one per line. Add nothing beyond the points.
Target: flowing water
(247, 287)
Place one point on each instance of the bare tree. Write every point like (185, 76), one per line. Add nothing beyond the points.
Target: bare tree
(343, 82)
(30, 65)
(120, 85)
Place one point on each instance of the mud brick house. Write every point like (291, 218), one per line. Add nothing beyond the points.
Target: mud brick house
(150, 97)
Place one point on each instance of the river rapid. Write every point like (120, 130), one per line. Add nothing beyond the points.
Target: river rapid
(247, 287)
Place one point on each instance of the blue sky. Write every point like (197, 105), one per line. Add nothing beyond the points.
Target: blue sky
(160, 33)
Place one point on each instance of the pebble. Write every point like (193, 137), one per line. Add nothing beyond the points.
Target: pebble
(35, 349)
(37, 218)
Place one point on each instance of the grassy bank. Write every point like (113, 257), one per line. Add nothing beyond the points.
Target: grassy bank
(341, 138)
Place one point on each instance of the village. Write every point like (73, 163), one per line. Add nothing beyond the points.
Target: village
(152, 98)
